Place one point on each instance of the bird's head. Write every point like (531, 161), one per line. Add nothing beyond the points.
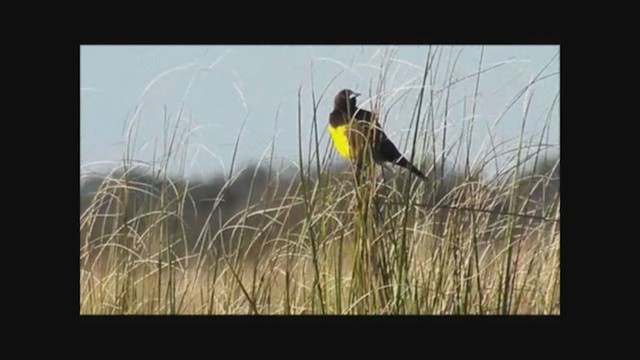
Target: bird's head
(346, 99)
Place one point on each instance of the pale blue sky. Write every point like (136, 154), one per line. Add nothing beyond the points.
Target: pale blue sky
(220, 86)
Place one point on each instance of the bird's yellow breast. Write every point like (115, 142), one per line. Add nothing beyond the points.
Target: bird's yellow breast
(339, 135)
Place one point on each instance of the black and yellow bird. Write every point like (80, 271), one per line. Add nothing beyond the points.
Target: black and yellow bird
(352, 129)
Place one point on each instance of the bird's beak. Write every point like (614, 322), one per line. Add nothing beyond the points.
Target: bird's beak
(355, 95)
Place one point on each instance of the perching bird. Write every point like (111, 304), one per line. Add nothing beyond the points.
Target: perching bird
(349, 127)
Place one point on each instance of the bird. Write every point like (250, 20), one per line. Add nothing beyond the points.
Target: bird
(349, 127)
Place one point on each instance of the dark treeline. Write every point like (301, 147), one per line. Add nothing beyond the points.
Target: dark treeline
(134, 201)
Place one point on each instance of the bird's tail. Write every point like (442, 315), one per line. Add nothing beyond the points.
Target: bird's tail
(406, 164)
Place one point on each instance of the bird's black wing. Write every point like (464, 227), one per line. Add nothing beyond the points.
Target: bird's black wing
(385, 149)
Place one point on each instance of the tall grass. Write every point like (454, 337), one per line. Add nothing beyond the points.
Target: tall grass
(326, 240)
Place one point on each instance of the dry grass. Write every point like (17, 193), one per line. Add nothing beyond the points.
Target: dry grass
(313, 242)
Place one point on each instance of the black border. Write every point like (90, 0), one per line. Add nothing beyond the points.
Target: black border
(130, 326)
